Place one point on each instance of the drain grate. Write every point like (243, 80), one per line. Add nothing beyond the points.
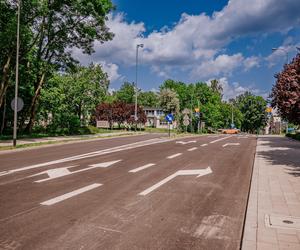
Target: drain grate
(282, 221)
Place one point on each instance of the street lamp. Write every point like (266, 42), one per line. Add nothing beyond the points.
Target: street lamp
(136, 79)
(17, 79)
(285, 51)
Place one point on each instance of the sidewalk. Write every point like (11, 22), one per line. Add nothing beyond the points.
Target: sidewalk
(273, 214)
(7, 143)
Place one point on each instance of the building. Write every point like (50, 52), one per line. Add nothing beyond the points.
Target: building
(156, 118)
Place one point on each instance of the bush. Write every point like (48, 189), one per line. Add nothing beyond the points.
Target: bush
(294, 136)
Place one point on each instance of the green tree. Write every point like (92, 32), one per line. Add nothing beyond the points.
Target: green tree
(148, 99)
(216, 86)
(169, 101)
(126, 93)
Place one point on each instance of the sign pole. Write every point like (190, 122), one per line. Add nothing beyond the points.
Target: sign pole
(169, 129)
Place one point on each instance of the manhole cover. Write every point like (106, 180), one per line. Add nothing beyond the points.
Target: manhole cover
(282, 221)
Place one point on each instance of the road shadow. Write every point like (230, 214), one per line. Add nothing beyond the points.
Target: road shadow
(281, 151)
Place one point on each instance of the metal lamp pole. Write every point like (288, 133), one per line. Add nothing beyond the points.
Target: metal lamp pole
(17, 79)
(136, 79)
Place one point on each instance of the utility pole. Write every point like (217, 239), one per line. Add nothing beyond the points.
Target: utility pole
(17, 78)
(136, 84)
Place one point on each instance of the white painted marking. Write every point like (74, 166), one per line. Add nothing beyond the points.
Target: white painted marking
(60, 172)
(230, 144)
(224, 138)
(185, 142)
(70, 194)
(199, 172)
(242, 137)
(88, 155)
(104, 164)
(141, 168)
(204, 145)
(173, 156)
(192, 149)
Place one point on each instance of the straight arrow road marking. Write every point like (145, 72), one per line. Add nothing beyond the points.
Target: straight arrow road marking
(224, 138)
(230, 144)
(141, 168)
(70, 194)
(173, 156)
(60, 172)
(192, 149)
(89, 155)
(198, 172)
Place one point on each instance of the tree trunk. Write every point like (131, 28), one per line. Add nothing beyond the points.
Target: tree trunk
(3, 116)
(33, 105)
(4, 80)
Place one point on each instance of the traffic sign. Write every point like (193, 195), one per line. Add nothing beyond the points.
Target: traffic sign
(197, 110)
(20, 104)
(232, 125)
(186, 111)
(169, 117)
(268, 109)
(186, 122)
(186, 117)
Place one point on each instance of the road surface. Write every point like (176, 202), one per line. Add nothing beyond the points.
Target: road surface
(139, 192)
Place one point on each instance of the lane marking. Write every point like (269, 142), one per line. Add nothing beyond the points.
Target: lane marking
(70, 194)
(173, 156)
(203, 145)
(185, 142)
(88, 155)
(230, 144)
(192, 149)
(141, 168)
(60, 172)
(199, 172)
(224, 138)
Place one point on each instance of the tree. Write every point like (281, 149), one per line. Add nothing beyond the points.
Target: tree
(253, 109)
(216, 86)
(169, 101)
(126, 93)
(73, 94)
(148, 99)
(286, 92)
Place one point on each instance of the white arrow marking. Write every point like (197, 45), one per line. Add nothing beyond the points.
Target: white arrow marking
(224, 138)
(199, 172)
(70, 194)
(192, 149)
(141, 168)
(230, 144)
(60, 172)
(185, 142)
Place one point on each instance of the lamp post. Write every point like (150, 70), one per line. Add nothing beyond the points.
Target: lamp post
(136, 79)
(285, 51)
(17, 79)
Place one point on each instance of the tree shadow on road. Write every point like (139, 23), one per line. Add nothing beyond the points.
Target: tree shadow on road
(281, 151)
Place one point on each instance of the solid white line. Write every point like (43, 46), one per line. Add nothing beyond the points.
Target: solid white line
(141, 168)
(192, 149)
(71, 194)
(224, 138)
(88, 155)
(203, 145)
(173, 156)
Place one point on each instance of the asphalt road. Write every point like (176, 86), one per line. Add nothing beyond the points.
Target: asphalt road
(139, 192)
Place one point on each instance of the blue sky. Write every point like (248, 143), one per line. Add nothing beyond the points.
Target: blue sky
(200, 40)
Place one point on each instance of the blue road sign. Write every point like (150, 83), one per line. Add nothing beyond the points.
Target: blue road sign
(169, 117)
(232, 125)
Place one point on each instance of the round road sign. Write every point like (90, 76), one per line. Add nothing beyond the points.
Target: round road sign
(20, 104)
(186, 122)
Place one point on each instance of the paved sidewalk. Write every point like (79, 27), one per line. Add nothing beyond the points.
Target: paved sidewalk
(7, 143)
(273, 214)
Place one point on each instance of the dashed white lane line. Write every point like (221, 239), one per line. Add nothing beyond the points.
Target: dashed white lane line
(204, 145)
(221, 139)
(70, 194)
(230, 144)
(141, 168)
(192, 149)
(173, 156)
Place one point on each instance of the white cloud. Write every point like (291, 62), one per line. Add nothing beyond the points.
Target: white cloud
(195, 41)
(231, 90)
(112, 70)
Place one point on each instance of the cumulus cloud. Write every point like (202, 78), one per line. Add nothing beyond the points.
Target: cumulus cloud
(196, 41)
(231, 90)
(112, 70)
